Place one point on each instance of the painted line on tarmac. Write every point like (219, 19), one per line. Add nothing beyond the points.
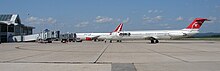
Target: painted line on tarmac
(169, 56)
(38, 54)
(57, 62)
(101, 53)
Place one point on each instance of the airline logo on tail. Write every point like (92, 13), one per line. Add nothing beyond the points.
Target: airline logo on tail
(197, 23)
(118, 28)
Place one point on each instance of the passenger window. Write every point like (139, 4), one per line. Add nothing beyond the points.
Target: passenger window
(124, 34)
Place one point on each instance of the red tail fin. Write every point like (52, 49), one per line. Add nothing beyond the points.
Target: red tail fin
(197, 23)
(118, 28)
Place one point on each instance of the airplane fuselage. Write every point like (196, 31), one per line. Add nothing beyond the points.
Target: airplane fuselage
(97, 36)
(157, 34)
(91, 36)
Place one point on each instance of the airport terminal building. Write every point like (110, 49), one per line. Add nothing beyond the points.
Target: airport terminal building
(10, 25)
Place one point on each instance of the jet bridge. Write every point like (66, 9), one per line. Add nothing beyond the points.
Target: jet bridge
(44, 36)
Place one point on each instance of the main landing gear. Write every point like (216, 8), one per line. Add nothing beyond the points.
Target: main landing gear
(153, 40)
(119, 41)
(110, 41)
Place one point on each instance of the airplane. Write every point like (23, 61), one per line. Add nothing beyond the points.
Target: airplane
(97, 36)
(155, 35)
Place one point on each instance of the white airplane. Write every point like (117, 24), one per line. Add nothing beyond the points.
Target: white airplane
(155, 35)
(97, 36)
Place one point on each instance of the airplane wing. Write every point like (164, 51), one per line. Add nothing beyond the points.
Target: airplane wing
(150, 37)
(95, 37)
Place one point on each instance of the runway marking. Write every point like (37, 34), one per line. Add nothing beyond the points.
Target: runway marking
(30, 55)
(53, 50)
(195, 50)
(101, 53)
(168, 55)
(26, 57)
(57, 62)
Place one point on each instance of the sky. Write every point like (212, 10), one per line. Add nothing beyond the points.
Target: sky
(105, 15)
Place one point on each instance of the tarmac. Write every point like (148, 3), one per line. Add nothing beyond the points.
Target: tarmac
(168, 55)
